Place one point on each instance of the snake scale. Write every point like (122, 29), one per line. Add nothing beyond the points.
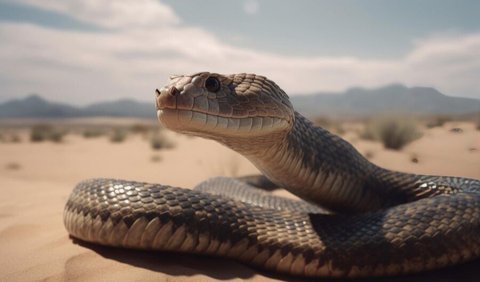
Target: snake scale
(357, 219)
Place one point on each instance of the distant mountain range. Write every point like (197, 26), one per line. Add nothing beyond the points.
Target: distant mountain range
(393, 98)
(355, 102)
(34, 106)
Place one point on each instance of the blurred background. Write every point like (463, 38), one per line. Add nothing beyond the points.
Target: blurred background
(397, 79)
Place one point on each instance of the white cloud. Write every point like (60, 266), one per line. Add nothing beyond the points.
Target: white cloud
(138, 56)
(112, 14)
(251, 7)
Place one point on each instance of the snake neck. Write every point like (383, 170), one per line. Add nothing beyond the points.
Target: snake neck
(320, 167)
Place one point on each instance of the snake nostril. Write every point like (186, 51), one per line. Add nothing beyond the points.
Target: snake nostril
(157, 92)
(173, 91)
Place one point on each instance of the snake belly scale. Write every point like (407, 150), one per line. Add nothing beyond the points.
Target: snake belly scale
(356, 220)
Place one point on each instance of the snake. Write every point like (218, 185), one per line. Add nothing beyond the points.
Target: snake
(352, 219)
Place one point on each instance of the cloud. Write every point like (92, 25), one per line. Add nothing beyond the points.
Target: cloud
(124, 14)
(135, 55)
(251, 7)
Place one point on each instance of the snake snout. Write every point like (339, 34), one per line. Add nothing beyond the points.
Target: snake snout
(166, 97)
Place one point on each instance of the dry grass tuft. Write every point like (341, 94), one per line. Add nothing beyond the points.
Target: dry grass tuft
(140, 128)
(10, 138)
(393, 131)
(159, 141)
(438, 121)
(118, 135)
(93, 133)
(15, 138)
(46, 132)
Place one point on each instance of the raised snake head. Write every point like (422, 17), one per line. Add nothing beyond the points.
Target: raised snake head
(219, 106)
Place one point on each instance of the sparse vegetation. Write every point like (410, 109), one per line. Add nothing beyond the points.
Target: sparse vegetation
(118, 136)
(93, 133)
(15, 138)
(159, 141)
(10, 137)
(46, 132)
(394, 132)
(438, 121)
(140, 128)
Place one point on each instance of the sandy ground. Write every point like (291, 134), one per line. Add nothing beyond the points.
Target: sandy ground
(36, 179)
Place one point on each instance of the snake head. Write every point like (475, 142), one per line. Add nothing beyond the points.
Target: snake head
(219, 106)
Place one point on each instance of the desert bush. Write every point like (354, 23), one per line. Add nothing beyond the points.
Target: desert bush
(437, 121)
(56, 136)
(40, 132)
(118, 136)
(369, 132)
(140, 128)
(159, 141)
(46, 132)
(15, 138)
(92, 133)
(393, 132)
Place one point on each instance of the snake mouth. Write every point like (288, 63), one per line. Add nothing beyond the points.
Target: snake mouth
(196, 122)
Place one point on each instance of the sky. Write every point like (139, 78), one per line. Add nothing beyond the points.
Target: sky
(85, 51)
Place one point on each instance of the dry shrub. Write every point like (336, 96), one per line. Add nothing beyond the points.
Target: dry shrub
(159, 141)
(393, 131)
(118, 136)
(437, 121)
(46, 132)
(15, 138)
(93, 133)
(140, 128)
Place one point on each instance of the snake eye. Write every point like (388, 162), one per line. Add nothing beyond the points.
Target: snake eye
(212, 84)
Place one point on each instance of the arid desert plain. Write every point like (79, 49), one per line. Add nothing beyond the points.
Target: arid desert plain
(37, 177)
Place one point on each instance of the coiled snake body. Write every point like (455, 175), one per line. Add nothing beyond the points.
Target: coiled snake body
(358, 219)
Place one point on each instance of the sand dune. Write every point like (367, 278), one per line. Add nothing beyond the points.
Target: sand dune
(36, 180)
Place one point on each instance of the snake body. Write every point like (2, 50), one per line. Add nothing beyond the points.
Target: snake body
(357, 219)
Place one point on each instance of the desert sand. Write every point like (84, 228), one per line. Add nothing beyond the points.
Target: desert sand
(36, 179)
